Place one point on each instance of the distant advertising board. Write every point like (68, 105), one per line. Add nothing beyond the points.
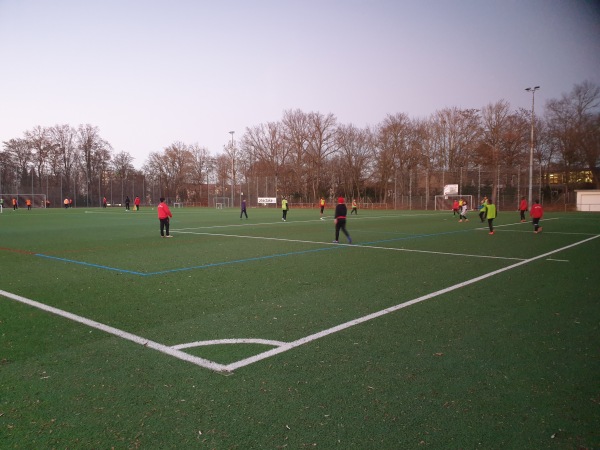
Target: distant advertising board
(267, 199)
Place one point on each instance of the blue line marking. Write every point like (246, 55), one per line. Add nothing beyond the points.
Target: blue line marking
(82, 263)
(238, 261)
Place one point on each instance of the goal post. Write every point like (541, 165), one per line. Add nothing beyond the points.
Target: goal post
(444, 202)
(221, 202)
(37, 200)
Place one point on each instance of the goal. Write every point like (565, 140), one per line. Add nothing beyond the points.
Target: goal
(221, 202)
(37, 200)
(444, 202)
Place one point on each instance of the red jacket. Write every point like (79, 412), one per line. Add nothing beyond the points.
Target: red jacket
(163, 211)
(536, 211)
(523, 205)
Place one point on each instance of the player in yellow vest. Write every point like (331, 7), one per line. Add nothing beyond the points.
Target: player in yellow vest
(322, 205)
(490, 213)
(284, 208)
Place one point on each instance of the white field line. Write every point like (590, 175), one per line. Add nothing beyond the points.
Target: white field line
(229, 341)
(348, 245)
(119, 333)
(280, 222)
(517, 223)
(282, 347)
(343, 326)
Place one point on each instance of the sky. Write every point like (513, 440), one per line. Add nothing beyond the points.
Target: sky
(150, 73)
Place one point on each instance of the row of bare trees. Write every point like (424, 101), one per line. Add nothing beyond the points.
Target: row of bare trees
(308, 155)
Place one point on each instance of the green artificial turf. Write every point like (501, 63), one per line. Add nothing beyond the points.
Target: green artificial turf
(507, 361)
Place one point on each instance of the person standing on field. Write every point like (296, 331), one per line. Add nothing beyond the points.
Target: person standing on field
(136, 203)
(104, 202)
(243, 211)
(463, 210)
(523, 209)
(490, 213)
(284, 208)
(354, 207)
(127, 201)
(455, 207)
(164, 213)
(482, 209)
(536, 213)
(322, 205)
(340, 220)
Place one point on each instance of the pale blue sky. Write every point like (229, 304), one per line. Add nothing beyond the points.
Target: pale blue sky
(149, 73)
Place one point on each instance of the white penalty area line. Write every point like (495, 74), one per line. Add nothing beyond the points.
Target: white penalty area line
(349, 245)
(281, 347)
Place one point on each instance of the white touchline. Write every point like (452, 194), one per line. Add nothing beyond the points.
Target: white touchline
(281, 346)
(119, 333)
(343, 326)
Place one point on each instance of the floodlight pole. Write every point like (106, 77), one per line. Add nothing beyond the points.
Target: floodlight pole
(232, 168)
(532, 90)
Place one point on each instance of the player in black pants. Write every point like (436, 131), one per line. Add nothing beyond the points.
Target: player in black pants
(340, 220)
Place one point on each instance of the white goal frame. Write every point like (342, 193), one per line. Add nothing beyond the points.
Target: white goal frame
(37, 200)
(221, 202)
(444, 202)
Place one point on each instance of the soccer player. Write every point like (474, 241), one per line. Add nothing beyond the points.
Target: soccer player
(354, 207)
(523, 208)
(127, 201)
(536, 213)
(243, 211)
(164, 213)
(482, 209)
(490, 212)
(455, 207)
(340, 220)
(136, 203)
(284, 208)
(322, 205)
(463, 210)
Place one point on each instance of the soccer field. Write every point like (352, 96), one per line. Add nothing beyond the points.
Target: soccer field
(258, 333)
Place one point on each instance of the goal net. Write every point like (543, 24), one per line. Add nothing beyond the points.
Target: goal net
(37, 200)
(221, 202)
(444, 202)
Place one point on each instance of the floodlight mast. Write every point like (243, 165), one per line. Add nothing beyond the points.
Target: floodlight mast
(532, 90)
(232, 167)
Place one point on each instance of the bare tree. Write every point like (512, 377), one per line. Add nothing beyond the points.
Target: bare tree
(265, 143)
(95, 155)
(392, 146)
(19, 155)
(573, 126)
(357, 148)
(64, 154)
(496, 122)
(321, 146)
(297, 137)
(200, 161)
(39, 141)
